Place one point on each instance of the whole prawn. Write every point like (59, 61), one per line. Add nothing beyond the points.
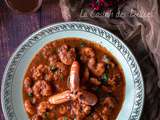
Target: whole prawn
(75, 92)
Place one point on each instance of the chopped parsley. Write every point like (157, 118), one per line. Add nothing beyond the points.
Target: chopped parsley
(96, 89)
(82, 44)
(106, 59)
(53, 69)
(30, 94)
(62, 77)
(65, 118)
(104, 78)
(46, 116)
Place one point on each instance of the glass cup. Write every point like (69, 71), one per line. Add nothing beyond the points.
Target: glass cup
(24, 6)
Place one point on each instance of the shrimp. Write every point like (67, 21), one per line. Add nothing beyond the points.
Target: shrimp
(75, 92)
(60, 71)
(86, 53)
(67, 55)
(74, 77)
(97, 69)
(74, 86)
(42, 88)
(60, 98)
(43, 107)
(29, 107)
(87, 98)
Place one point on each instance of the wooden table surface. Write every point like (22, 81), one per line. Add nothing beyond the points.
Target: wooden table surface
(14, 28)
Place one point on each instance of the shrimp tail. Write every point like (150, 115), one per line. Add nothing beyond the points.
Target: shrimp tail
(74, 77)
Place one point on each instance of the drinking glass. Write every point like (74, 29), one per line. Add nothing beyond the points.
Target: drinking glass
(24, 6)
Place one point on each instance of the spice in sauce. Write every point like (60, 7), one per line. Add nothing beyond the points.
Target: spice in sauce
(49, 77)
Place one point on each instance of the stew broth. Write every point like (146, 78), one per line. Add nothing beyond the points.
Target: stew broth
(48, 75)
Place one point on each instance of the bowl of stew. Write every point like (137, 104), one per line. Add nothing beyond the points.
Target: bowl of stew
(72, 71)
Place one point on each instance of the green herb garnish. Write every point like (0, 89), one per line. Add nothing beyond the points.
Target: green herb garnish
(46, 115)
(82, 44)
(65, 118)
(68, 81)
(119, 77)
(96, 89)
(55, 116)
(62, 77)
(74, 117)
(78, 57)
(41, 55)
(30, 94)
(106, 59)
(53, 69)
(104, 78)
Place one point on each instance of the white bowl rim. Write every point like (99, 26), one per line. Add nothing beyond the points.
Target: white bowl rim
(59, 23)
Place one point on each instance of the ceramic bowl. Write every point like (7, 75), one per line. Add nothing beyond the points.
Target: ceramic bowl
(11, 96)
